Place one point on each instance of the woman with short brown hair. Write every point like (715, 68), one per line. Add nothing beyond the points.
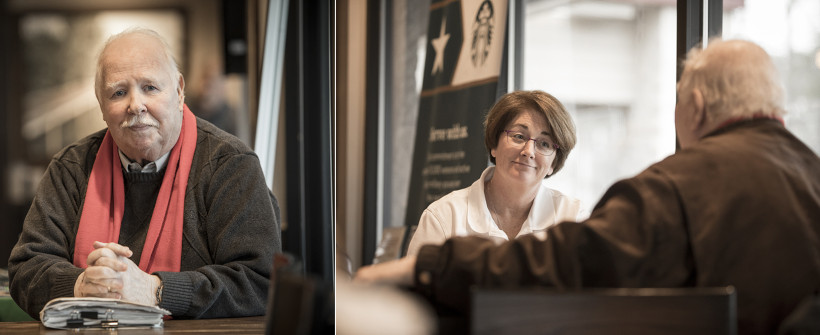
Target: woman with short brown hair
(528, 135)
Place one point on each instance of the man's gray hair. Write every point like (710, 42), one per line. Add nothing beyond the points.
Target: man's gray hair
(737, 79)
(166, 48)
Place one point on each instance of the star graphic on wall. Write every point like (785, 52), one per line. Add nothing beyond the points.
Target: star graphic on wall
(438, 44)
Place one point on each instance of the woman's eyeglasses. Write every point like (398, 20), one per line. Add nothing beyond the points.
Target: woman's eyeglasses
(543, 146)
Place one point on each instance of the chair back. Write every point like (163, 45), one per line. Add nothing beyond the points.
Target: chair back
(394, 243)
(605, 311)
(297, 304)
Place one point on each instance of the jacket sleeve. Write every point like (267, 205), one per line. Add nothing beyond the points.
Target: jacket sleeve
(237, 235)
(636, 237)
(40, 265)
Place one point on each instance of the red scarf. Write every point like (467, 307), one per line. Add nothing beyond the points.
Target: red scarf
(105, 203)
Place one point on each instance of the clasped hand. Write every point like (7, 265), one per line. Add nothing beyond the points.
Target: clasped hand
(111, 274)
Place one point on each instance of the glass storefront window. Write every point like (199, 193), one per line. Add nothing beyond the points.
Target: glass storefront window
(790, 32)
(612, 64)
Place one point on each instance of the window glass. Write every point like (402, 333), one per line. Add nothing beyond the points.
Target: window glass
(612, 64)
(406, 36)
(790, 33)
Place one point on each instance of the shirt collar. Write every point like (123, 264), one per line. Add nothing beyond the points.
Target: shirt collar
(734, 120)
(155, 166)
(480, 220)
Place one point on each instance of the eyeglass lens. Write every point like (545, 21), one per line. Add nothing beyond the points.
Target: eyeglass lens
(542, 146)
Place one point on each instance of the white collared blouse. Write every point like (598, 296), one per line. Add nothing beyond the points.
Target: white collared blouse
(465, 213)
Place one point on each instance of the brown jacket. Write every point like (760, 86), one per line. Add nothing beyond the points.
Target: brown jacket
(742, 208)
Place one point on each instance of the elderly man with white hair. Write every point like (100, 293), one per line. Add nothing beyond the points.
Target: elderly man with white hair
(739, 205)
(161, 208)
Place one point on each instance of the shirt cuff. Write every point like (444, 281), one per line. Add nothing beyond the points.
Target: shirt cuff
(423, 276)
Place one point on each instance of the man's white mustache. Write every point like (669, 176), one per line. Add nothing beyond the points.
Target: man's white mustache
(139, 120)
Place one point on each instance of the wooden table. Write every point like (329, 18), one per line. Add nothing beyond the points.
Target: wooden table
(249, 325)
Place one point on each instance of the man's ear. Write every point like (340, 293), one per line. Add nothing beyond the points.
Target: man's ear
(181, 91)
(699, 116)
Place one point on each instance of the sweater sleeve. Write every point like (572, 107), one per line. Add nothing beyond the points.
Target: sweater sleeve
(40, 265)
(227, 271)
(635, 237)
